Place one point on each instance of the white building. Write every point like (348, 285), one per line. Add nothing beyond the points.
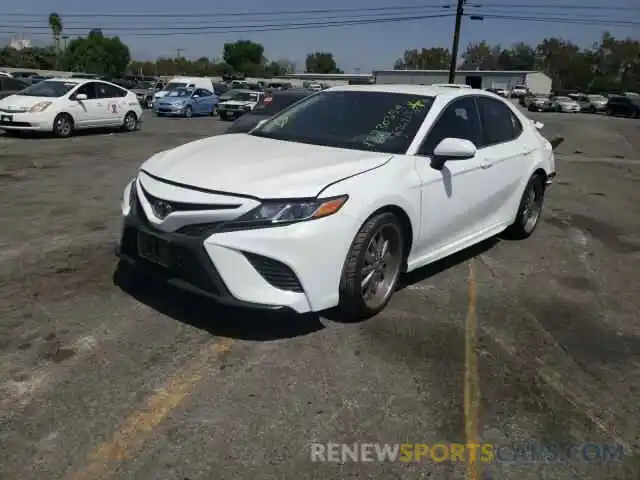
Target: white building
(20, 43)
(537, 82)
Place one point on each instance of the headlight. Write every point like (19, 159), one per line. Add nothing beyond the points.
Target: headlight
(129, 196)
(179, 104)
(40, 107)
(279, 212)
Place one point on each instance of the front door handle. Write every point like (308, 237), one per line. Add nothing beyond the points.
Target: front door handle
(486, 165)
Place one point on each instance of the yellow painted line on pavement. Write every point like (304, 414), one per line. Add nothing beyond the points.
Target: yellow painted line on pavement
(471, 380)
(136, 428)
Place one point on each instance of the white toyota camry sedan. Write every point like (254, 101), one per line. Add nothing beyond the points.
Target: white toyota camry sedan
(328, 202)
(62, 105)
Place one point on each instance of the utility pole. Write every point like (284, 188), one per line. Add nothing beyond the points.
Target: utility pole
(179, 52)
(456, 41)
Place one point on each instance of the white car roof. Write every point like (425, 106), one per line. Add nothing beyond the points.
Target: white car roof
(424, 90)
(71, 80)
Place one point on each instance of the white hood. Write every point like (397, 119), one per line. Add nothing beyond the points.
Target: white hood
(260, 167)
(22, 103)
(239, 102)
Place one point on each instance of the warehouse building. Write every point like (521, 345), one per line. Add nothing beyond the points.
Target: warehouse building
(537, 82)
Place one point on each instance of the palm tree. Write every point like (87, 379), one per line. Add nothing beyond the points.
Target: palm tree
(55, 23)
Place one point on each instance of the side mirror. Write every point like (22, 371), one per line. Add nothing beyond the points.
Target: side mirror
(452, 149)
(196, 96)
(81, 96)
(538, 125)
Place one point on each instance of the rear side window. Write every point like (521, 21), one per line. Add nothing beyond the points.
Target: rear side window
(110, 91)
(499, 124)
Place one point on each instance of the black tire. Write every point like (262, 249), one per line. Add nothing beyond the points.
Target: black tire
(354, 304)
(63, 125)
(188, 112)
(224, 116)
(213, 112)
(130, 122)
(527, 219)
(148, 103)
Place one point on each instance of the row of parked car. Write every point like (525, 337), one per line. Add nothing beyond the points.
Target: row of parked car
(627, 104)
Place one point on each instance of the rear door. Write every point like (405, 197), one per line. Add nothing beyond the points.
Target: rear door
(113, 103)
(507, 152)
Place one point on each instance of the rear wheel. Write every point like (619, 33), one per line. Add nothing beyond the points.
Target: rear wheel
(529, 210)
(63, 125)
(372, 268)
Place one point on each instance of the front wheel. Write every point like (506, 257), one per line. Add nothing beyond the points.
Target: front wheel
(63, 125)
(372, 268)
(529, 210)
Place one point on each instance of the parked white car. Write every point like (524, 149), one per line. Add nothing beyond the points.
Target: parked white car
(329, 201)
(565, 104)
(235, 103)
(451, 85)
(62, 105)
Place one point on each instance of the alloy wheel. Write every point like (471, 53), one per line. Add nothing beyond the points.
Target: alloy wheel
(532, 206)
(382, 264)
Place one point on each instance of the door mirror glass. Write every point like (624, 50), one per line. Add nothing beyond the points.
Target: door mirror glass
(455, 148)
(196, 96)
(81, 96)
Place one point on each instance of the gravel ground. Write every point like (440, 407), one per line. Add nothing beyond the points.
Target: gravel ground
(96, 382)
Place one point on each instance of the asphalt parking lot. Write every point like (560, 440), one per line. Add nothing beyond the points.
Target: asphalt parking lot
(97, 382)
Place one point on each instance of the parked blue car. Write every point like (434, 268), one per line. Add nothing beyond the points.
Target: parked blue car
(185, 102)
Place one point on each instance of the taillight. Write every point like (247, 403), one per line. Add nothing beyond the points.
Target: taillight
(268, 100)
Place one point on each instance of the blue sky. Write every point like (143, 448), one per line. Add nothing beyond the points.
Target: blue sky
(363, 47)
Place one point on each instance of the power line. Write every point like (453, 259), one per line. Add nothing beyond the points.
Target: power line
(511, 6)
(317, 11)
(572, 20)
(169, 31)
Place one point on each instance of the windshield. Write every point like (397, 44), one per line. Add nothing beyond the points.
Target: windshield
(143, 85)
(243, 96)
(376, 121)
(173, 85)
(48, 88)
(179, 92)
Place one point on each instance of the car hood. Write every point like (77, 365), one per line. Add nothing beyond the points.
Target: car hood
(21, 103)
(260, 167)
(173, 99)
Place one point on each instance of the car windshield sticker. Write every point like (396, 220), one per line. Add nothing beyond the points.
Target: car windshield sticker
(396, 120)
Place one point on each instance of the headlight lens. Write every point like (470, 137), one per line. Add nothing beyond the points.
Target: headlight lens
(129, 196)
(278, 212)
(40, 107)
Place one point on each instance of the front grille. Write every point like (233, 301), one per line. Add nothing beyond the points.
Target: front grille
(188, 207)
(15, 124)
(275, 273)
(199, 229)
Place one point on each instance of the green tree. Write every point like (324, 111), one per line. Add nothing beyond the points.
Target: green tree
(55, 24)
(243, 54)
(98, 54)
(321, 62)
(424, 59)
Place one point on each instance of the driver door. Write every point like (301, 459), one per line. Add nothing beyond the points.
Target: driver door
(455, 201)
(86, 113)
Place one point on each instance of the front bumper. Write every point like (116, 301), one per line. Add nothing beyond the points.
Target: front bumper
(37, 122)
(296, 267)
(169, 109)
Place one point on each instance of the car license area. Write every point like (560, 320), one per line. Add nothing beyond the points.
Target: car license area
(153, 249)
(6, 118)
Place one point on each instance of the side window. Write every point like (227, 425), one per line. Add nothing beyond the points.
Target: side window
(88, 89)
(499, 123)
(105, 90)
(459, 120)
